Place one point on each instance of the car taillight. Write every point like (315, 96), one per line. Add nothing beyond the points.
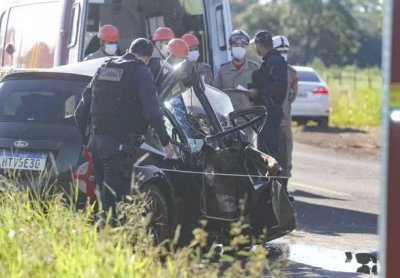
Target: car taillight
(321, 91)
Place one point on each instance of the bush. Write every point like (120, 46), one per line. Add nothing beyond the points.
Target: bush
(49, 239)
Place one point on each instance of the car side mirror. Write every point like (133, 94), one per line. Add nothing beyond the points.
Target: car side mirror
(10, 49)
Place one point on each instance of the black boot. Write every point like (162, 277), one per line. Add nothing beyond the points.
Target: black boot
(284, 183)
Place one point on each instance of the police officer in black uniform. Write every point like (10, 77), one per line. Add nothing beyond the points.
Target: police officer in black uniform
(269, 87)
(118, 105)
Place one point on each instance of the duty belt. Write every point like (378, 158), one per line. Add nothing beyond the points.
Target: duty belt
(106, 130)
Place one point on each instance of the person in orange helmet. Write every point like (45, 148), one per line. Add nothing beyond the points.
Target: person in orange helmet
(161, 38)
(203, 69)
(109, 37)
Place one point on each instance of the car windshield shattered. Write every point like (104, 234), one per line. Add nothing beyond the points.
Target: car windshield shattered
(181, 101)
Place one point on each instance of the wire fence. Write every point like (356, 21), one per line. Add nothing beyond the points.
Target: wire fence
(356, 96)
(353, 80)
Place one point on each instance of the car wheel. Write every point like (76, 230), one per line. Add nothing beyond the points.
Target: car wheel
(323, 123)
(158, 206)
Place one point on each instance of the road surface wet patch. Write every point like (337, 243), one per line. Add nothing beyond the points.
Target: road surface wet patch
(324, 261)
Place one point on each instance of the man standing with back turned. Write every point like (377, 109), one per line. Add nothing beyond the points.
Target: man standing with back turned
(281, 44)
(119, 104)
(269, 86)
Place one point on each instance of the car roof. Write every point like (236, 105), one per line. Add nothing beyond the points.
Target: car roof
(77, 71)
(45, 75)
(302, 68)
(88, 68)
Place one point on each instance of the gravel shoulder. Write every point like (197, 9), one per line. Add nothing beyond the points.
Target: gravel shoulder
(359, 142)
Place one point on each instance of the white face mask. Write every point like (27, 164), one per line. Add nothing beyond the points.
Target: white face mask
(238, 53)
(284, 56)
(193, 55)
(110, 49)
(164, 50)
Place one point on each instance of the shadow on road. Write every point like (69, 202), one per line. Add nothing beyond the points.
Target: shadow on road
(332, 129)
(301, 193)
(297, 270)
(326, 220)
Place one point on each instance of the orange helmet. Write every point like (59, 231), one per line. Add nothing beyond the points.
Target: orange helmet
(178, 47)
(190, 40)
(163, 34)
(108, 33)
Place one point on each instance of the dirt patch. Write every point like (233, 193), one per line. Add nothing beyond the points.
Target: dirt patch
(358, 142)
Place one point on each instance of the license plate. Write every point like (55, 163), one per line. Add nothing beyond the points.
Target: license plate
(302, 94)
(23, 161)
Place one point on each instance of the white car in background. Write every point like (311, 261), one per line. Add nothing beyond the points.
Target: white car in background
(312, 102)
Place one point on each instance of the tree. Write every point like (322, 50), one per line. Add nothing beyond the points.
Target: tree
(337, 32)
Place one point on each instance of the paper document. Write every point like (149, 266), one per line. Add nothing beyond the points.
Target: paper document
(240, 87)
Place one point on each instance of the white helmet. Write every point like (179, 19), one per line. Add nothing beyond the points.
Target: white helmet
(281, 43)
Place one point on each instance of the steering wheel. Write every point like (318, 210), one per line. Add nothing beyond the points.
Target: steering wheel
(259, 111)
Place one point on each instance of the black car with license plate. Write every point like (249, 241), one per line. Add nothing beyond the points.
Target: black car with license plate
(215, 173)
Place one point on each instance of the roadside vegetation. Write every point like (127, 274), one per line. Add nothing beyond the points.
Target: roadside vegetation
(330, 36)
(46, 238)
(356, 95)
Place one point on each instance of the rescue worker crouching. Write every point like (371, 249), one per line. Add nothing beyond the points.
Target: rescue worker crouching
(109, 38)
(119, 104)
(281, 44)
(269, 88)
(203, 69)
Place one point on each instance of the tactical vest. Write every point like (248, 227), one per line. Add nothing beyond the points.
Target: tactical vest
(115, 104)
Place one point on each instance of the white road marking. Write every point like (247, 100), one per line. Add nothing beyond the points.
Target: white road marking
(316, 188)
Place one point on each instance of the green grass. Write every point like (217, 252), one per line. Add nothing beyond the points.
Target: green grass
(48, 239)
(356, 95)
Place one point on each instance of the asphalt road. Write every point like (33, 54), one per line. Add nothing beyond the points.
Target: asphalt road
(337, 204)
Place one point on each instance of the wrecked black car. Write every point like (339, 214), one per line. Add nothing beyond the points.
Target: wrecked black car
(214, 175)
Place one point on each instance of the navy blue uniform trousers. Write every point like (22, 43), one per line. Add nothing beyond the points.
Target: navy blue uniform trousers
(112, 170)
(269, 137)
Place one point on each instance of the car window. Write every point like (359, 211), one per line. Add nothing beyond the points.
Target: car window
(191, 117)
(308, 76)
(40, 101)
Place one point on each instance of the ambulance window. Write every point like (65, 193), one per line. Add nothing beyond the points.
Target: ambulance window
(153, 23)
(34, 31)
(2, 30)
(74, 26)
(221, 28)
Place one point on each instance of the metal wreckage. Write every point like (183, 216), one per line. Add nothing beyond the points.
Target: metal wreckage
(215, 174)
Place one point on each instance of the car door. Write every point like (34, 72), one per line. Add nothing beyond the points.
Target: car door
(219, 28)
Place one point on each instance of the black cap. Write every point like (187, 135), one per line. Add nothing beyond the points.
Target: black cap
(142, 47)
(264, 37)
